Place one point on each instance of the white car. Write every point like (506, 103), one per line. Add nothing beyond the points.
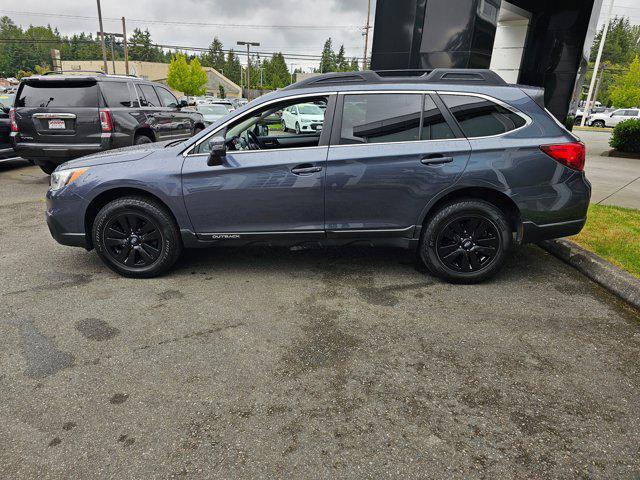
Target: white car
(612, 119)
(212, 112)
(305, 117)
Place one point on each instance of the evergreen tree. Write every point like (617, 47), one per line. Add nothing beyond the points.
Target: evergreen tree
(232, 67)
(214, 56)
(328, 60)
(142, 49)
(621, 45)
(341, 61)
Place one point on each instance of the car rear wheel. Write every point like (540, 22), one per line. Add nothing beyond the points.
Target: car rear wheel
(598, 124)
(136, 237)
(466, 241)
(47, 167)
(141, 140)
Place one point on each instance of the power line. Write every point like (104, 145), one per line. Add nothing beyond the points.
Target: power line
(189, 24)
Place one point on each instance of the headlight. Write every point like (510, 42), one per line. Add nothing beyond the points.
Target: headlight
(63, 178)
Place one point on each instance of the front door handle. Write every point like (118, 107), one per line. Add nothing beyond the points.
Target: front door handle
(305, 169)
(436, 160)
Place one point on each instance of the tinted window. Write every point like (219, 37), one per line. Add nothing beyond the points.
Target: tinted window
(479, 117)
(167, 98)
(381, 118)
(57, 94)
(150, 98)
(116, 94)
(434, 126)
(632, 113)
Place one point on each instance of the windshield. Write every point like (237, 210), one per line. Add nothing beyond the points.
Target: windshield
(309, 109)
(213, 109)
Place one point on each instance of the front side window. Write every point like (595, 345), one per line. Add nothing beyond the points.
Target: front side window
(479, 117)
(381, 118)
(276, 127)
(167, 98)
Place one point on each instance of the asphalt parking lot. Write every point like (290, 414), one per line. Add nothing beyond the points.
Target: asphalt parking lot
(262, 363)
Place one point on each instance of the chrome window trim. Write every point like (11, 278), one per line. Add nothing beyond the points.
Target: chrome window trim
(186, 152)
(528, 120)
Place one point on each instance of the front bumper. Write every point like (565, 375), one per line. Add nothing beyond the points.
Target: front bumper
(65, 224)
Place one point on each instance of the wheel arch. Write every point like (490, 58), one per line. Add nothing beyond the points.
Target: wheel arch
(103, 198)
(491, 195)
(146, 131)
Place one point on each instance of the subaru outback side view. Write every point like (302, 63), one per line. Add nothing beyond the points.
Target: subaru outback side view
(454, 164)
(59, 117)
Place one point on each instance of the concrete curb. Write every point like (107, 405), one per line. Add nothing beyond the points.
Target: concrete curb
(614, 279)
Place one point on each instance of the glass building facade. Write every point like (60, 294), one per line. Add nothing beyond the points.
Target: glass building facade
(542, 43)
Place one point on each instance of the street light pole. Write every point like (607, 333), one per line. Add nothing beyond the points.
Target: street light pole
(249, 45)
(104, 47)
(366, 36)
(596, 67)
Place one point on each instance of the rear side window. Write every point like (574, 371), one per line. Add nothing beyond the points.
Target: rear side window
(58, 94)
(434, 126)
(150, 98)
(116, 94)
(167, 98)
(479, 117)
(381, 118)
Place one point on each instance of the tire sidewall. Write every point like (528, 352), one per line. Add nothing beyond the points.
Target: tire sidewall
(142, 140)
(433, 228)
(171, 244)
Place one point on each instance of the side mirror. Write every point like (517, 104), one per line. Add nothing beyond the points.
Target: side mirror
(217, 151)
(182, 104)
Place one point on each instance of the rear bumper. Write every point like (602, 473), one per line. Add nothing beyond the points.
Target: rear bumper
(6, 151)
(532, 232)
(55, 152)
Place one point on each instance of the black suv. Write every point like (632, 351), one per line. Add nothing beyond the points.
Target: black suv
(57, 117)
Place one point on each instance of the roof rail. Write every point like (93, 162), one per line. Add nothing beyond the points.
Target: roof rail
(438, 75)
(58, 72)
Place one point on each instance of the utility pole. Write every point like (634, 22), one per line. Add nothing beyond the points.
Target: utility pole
(249, 45)
(113, 55)
(366, 36)
(104, 47)
(126, 47)
(596, 67)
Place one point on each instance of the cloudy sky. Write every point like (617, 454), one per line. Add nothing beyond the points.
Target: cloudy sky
(290, 26)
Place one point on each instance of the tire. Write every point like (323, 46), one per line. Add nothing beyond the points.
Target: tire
(284, 126)
(466, 241)
(47, 167)
(141, 140)
(121, 221)
(297, 128)
(598, 124)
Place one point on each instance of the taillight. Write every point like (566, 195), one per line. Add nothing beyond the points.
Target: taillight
(570, 154)
(105, 120)
(12, 119)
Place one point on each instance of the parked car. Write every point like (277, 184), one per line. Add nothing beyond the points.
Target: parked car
(455, 164)
(59, 117)
(6, 102)
(602, 120)
(239, 102)
(212, 112)
(303, 118)
(577, 119)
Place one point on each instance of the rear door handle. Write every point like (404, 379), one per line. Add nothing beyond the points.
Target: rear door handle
(305, 169)
(436, 160)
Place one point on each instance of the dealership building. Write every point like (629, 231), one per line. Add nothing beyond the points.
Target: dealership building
(534, 42)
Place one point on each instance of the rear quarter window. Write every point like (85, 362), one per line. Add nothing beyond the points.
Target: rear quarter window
(479, 117)
(48, 94)
(116, 94)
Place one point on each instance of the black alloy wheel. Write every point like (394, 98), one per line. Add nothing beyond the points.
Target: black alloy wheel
(468, 243)
(133, 239)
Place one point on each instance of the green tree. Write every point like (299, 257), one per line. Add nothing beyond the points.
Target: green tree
(188, 78)
(341, 61)
(621, 45)
(626, 90)
(276, 71)
(214, 56)
(232, 67)
(328, 60)
(142, 49)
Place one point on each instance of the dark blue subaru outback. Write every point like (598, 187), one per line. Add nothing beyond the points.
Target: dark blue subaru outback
(455, 164)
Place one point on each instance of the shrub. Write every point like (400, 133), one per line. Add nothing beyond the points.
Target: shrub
(626, 136)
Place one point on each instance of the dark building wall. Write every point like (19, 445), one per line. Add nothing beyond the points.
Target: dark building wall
(425, 34)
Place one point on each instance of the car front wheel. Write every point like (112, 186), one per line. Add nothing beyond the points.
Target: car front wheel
(598, 124)
(136, 237)
(466, 241)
